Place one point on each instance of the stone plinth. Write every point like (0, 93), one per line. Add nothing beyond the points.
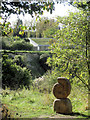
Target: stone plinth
(62, 106)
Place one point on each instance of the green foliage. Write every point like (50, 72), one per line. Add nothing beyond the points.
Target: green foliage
(80, 100)
(19, 29)
(6, 29)
(4, 46)
(71, 50)
(31, 34)
(22, 7)
(15, 43)
(32, 103)
(42, 61)
(45, 28)
(28, 103)
(26, 7)
(82, 5)
(19, 60)
(13, 75)
(50, 31)
(25, 51)
(7, 42)
(21, 45)
(46, 82)
(30, 60)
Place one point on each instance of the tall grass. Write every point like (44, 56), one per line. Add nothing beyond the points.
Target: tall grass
(33, 103)
(27, 103)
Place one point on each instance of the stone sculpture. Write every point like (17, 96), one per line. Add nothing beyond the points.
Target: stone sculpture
(61, 90)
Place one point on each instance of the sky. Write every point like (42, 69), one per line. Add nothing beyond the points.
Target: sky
(60, 10)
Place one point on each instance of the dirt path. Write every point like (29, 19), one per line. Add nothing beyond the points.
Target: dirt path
(74, 116)
(57, 116)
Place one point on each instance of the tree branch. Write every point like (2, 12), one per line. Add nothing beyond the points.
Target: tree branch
(83, 82)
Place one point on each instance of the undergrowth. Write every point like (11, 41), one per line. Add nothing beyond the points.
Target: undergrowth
(33, 103)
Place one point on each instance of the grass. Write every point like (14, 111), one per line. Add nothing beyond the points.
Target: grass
(79, 99)
(32, 103)
(41, 41)
(28, 103)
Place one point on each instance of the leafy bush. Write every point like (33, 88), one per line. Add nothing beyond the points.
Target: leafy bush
(18, 59)
(42, 61)
(21, 45)
(15, 43)
(5, 46)
(13, 75)
(46, 82)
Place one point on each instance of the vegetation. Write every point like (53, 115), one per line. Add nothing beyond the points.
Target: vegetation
(46, 28)
(15, 43)
(20, 45)
(28, 7)
(25, 51)
(21, 68)
(71, 50)
(14, 73)
(19, 29)
(21, 7)
(43, 28)
(49, 32)
(70, 57)
(32, 103)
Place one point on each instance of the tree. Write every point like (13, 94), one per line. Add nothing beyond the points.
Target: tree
(26, 7)
(45, 27)
(22, 7)
(50, 31)
(71, 52)
(32, 8)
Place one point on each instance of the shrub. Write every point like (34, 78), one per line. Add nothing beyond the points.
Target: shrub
(13, 75)
(21, 45)
(42, 61)
(19, 60)
(46, 82)
(4, 46)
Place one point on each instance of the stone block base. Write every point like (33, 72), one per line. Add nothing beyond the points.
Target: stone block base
(62, 106)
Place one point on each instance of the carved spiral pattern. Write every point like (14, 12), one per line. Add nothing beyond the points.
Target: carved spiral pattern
(62, 88)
